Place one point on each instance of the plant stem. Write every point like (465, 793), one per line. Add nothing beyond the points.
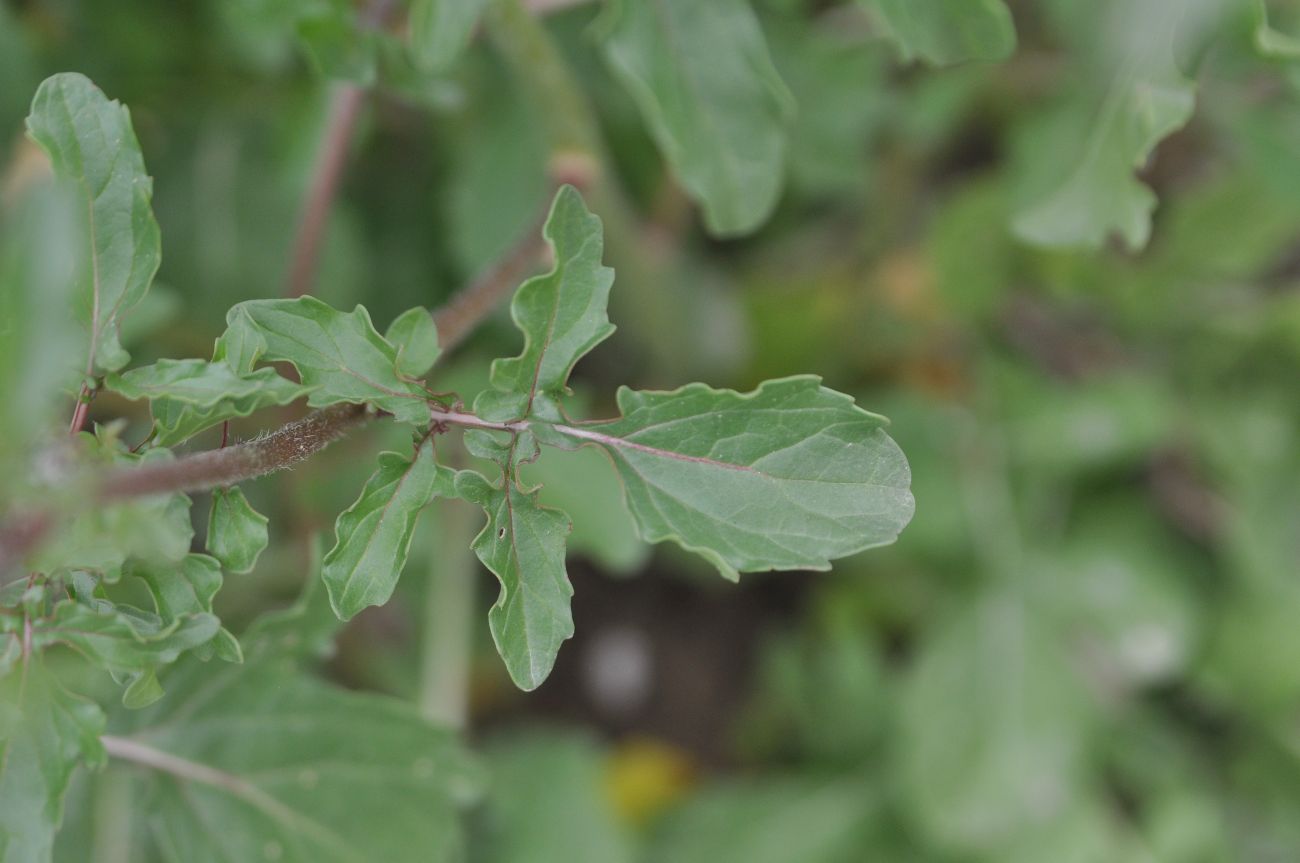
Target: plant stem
(447, 636)
(111, 796)
(456, 320)
(221, 467)
(345, 108)
(81, 410)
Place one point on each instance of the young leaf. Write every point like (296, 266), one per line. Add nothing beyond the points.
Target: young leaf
(1148, 99)
(90, 141)
(122, 639)
(373, 535)
(415, 337)
(788, 476)
(45, 733)
(702, 77)
(561, 314)
(523, 544)
(237, 533)
(188, 589)
(575, 821)
(441, 29)
(339, 356)
(941, 32)
(202, 384)
(292, 769)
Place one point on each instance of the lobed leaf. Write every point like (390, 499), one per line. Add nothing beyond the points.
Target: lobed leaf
(373, 536)
(122, 639)
(523, 544)
(339, 356)
(188, 589)
(561, 314)
(1147, 99)
(90, 142)
(701, 75)
(788, 476)
(45, 733)
(202, 384)
(942, 32)
(237, 533)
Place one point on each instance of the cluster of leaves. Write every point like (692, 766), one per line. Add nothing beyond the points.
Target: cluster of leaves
(785, 477)
(1045, 662)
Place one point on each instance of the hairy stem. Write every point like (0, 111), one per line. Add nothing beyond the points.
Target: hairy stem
(281, 449)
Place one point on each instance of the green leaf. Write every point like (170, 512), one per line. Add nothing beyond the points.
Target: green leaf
(45, 733)
(156, 528)
(942, 32)
(189, 589)
(339, 356)
(561, 314)
(415, 337)
(122, 639)
(789, 476)
(440, 30)
(1147, 99)
(580, 483)
(1010, 758)
(373, 535)
(90, 142)
(39, 340)
(701, 75)
(523, 544)
(202, 384)
(768, 820)
(237, 533)
(291, 769)
(1270, 42)
(339, 45)
(573, 822)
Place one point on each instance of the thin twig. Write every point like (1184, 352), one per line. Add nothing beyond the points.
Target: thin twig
(81, 410)
(456, 320)
(228, 465)
(345, 108)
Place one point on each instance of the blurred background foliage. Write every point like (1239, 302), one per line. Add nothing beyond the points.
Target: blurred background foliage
(1086, 647)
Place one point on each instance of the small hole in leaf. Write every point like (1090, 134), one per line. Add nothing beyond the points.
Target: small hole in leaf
(501, 534)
